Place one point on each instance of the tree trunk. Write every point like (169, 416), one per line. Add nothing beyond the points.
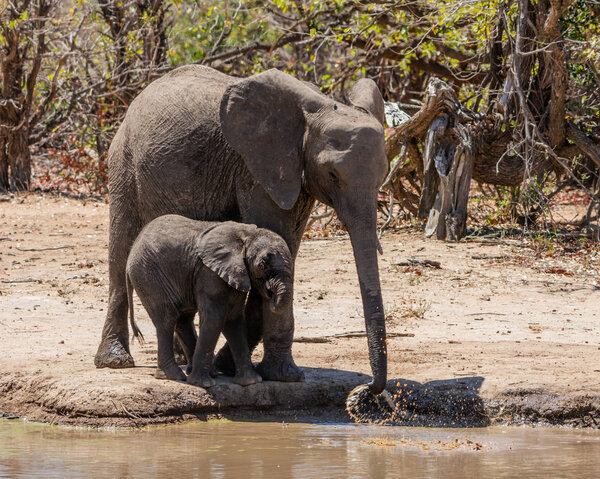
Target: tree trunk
(448, 163)
(4, 184)
(19, 157)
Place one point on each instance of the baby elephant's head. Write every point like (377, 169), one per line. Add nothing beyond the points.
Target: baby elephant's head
(270, 265)
(249, 257)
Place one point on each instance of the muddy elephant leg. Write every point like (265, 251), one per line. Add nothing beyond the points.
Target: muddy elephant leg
(278, 335)
(113, 351)
(224, 361)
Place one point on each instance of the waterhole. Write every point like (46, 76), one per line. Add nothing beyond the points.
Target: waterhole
(225, 449)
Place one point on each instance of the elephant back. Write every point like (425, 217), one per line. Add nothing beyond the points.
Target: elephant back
(170, 145)
(170, 110)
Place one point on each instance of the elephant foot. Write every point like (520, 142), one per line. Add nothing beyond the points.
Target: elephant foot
(190, 369)
(173, 373)
(201, 380)
(112, 354)
(285, 371)
(247, 377)
(224, 361)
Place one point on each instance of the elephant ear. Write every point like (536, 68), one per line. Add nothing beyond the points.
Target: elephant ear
(366, 96)
(262, 118)
(221, 249)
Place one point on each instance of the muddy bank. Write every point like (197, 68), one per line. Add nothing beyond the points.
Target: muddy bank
(134, 401)
(321, 397)
(517, 321)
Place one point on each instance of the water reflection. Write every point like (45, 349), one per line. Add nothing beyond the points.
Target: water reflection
(274, 450)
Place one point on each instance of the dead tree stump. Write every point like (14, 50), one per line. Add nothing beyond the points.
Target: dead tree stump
(448, 167)
(447, 160)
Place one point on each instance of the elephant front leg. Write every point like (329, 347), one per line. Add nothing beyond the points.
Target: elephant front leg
(236, 339)
(224, 361)
(278, 335)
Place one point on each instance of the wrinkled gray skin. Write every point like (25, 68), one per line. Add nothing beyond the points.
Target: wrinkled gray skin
(179, 266)
(255, 150)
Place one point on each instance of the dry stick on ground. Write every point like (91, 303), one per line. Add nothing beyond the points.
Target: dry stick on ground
(418, 261)
(350, 334)
(131, 416)
(44, 249)
(21, 281)
(489, 257)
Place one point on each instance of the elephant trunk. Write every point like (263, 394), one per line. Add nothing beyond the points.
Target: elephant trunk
(360, 218)
(282, 294)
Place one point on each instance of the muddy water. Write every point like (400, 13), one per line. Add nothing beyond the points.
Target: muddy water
(222, 449)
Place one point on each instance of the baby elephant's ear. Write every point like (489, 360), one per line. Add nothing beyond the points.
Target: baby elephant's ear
(222, 250)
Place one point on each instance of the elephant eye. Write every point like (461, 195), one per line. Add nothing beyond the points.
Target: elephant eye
(263, 265)
(335, 144)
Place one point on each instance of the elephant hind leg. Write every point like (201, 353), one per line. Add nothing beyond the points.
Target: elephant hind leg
(113, 351)
(185, 339)
(167, 368)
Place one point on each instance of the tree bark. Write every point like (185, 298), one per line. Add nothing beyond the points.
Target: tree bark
(448, 164)
(25, 45)
(20, 160)
(557, 65)
(4, 185)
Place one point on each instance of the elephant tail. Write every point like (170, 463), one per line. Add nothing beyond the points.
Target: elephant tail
(136, 331)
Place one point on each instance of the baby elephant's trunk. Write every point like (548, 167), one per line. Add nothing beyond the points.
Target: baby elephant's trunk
(136, 331)
(282, 295)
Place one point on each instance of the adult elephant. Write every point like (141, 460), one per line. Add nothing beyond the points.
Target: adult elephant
(257, 150)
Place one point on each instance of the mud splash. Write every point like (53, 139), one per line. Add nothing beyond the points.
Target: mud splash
(457, 403)
(408, 404)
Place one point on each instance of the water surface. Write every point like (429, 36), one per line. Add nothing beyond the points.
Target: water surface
(222, 449)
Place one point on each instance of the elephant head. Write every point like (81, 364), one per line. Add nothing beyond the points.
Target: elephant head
(292, 136)
(245, 256)
(270, 264)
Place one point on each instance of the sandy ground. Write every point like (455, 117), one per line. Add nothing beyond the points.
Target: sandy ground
(506, 318)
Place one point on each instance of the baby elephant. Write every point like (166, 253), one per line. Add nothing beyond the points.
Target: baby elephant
(179, 266)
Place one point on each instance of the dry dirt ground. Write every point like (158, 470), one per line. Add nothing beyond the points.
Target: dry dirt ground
(516, 327)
